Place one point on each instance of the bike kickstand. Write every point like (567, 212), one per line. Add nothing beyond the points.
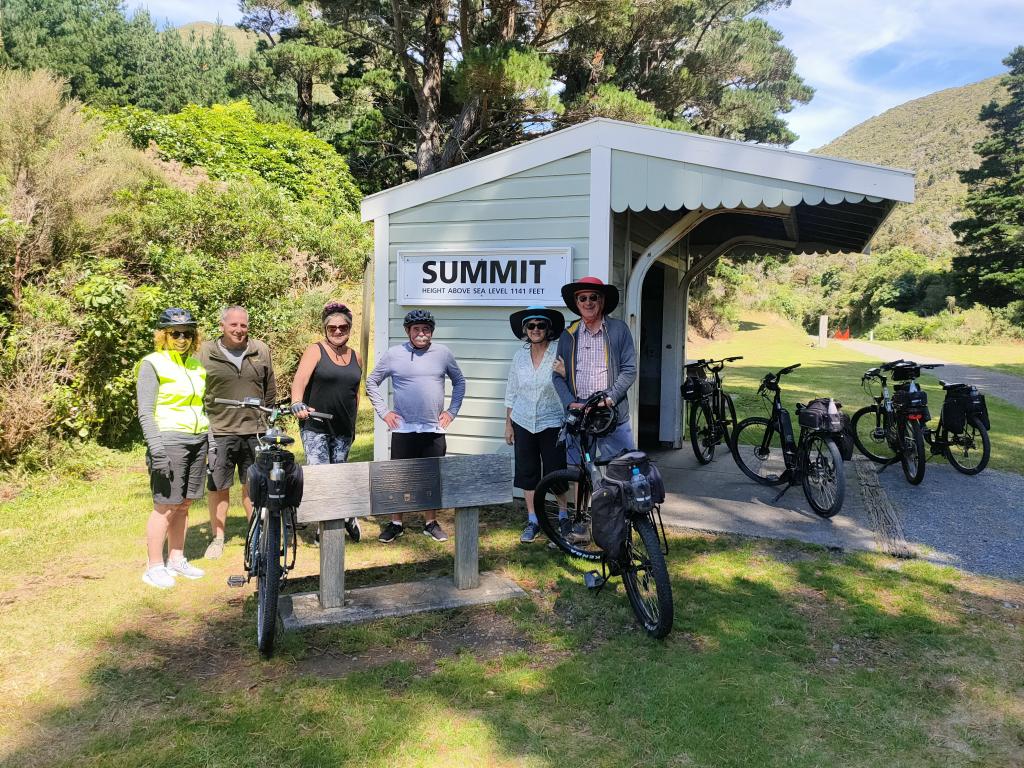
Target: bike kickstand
(782, 492)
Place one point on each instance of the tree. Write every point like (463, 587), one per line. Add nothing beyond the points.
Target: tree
(991, 269)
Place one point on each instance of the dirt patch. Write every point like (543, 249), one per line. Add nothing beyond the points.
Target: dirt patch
(481, 632)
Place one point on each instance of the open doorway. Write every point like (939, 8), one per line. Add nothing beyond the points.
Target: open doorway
(649, 359)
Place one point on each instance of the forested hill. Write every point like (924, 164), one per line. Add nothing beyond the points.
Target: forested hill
(243, 40)
(934, 136)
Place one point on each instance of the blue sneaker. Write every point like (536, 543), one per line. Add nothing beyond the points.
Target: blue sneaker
(530, 533)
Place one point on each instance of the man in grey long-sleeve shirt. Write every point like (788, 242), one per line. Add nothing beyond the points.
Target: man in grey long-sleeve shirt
(418, 419)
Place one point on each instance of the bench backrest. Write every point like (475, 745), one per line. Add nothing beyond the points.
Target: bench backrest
(334, 491)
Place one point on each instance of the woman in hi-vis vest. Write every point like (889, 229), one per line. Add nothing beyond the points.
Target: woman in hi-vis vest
(171, 384)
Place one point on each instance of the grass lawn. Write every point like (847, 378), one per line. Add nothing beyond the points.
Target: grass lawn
(782, 654)
(769, 343)
(1008, 358)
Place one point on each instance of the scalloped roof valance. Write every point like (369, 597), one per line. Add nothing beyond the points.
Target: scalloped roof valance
(642, 182)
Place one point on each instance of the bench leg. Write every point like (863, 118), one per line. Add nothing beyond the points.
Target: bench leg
(332, 563)
(467, 548)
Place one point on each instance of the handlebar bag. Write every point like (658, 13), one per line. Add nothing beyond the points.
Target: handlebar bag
(259, 482)
(815, 416)
(608, 517)
(695, 388)
(906, 372)
(620, 469)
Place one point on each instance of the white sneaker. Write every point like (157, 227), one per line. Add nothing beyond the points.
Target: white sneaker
(158, 576)
(183, 568)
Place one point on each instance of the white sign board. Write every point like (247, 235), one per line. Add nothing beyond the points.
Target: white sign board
(497, 277)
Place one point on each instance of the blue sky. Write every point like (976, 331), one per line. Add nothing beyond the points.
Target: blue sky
(861, 56)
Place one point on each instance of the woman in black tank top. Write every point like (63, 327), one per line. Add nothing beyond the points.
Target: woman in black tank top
(327, 380)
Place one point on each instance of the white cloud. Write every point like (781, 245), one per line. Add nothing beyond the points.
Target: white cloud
(840, 47)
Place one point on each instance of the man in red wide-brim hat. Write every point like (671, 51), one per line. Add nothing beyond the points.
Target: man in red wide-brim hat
(596, 353)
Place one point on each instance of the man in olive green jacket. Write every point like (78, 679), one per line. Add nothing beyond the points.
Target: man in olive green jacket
(237, 367)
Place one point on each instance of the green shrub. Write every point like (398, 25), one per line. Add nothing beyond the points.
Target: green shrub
(899, 326)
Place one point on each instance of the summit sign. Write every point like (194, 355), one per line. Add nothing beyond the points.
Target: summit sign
(499, 277)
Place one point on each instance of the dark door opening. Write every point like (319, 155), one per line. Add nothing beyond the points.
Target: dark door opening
(649, 358)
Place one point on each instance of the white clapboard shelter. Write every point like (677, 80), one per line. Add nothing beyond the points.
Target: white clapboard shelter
(644, 208)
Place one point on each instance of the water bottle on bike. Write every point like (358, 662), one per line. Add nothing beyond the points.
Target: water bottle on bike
(641, 490)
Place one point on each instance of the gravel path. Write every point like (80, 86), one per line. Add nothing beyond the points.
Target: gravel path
(973, 523)
(1002, 385)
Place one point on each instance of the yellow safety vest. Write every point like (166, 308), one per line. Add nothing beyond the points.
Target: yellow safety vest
(179, 398)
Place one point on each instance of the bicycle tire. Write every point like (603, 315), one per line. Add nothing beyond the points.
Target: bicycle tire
(973, 423)
(268, 581)
(769, 469)
(912, 456)
(545, 502)
(873, 442)
(702, 432)
(643, 569)
(827, 471)
(732, 417)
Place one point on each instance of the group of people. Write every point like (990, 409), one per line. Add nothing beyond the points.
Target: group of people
(190, 437)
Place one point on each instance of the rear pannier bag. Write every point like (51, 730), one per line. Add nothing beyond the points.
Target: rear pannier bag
(695, 388)
(815, 415)
(608, 517)
(911, 403)
(620, 470)
(961, 404)
(259, 483)
(845, 438)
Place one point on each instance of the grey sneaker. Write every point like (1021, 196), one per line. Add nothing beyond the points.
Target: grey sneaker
(435, 531)
(158, 576)
(391, 532)
(214, 550)
(182, 567)
(530, 533)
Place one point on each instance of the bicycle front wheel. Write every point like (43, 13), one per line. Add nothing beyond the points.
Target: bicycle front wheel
(872, 435)
(757, 449)
(912, 456)
(824, 480)
(268, 581)
(970, 450)
(645, 576)
(566, 528)
(702, 432)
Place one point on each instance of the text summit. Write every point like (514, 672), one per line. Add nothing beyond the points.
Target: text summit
(514, 271)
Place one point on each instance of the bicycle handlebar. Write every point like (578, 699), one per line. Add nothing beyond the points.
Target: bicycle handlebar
(254, 402)
(771, 380)
(708, 362)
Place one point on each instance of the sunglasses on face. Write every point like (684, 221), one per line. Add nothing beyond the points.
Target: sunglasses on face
(537, 326)
(585, 298)
(182, 334)
(338, 328)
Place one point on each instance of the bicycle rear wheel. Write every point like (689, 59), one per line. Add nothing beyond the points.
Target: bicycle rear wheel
(872, 435)
(645, 576)
(268, 580)
(912, 456)
(757, 449)
(702, 432)
(570, 534)
(823, 480)
(962, 451)
(730, 415)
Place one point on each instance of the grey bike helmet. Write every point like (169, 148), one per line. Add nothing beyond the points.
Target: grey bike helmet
(419, 316)
(175, 316)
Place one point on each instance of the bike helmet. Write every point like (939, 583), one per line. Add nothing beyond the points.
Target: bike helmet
(419, 316)
(335, 308)
(175, 316)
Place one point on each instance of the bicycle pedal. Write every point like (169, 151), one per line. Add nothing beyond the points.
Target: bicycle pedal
(237, 581)
(594, 580)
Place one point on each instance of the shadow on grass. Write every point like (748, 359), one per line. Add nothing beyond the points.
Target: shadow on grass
(758, 671)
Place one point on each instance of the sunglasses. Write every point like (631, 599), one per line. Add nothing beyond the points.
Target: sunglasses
(182, 334)
(537, 326)
(584, 298)
(338, 328)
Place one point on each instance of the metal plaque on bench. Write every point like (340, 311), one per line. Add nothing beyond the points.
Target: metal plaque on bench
(406, 485)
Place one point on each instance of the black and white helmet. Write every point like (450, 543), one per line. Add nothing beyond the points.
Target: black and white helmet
(419, 316)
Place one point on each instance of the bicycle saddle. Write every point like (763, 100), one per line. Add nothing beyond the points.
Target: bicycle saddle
(952, 385)
(279, 440)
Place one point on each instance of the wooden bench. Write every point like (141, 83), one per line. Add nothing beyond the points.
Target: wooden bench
(334, 492)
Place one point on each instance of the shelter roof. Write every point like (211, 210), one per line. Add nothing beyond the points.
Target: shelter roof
(679, 170)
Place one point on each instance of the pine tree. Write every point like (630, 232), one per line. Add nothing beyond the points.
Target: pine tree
(991, 268)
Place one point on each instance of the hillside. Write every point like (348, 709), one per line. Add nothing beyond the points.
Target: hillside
(244, 41)
(934, 136)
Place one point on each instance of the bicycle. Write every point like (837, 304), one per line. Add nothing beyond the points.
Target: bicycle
(275, 488)
(712, 411)
(767, 451)
(892, 429)
(963, 427)
(640, 557)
